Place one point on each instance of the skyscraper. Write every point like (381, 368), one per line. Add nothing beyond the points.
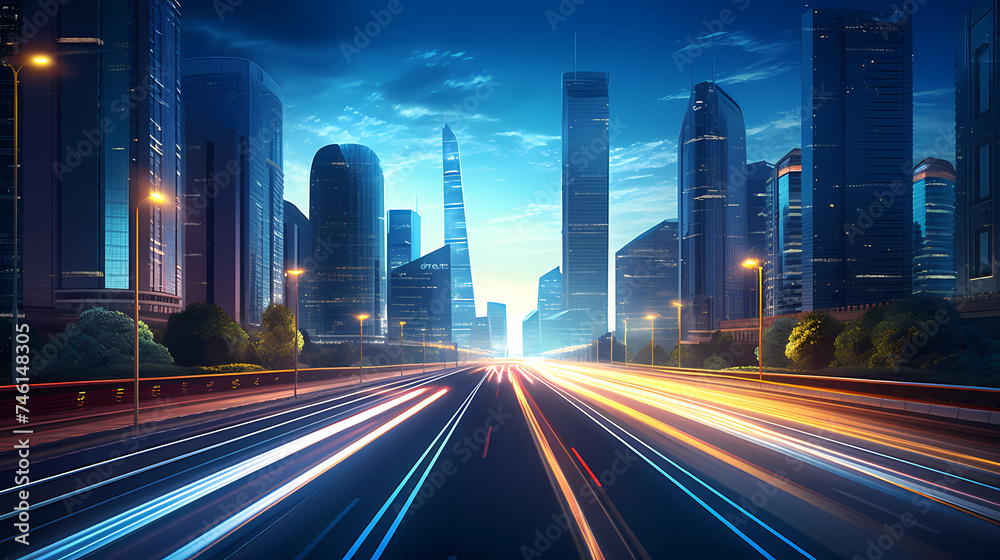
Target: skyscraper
(783, 269)
(298, 245)
(646, 283)
(404, 237)
(585, 160)
(480, 335)
(550, 302)
(10, 26)
(857, 148)
(530, 332)
(977, 135)
(712, 220)
(758, 175)
(105, 134)
(234, 201)
(347, 215)
(455, 234)
(496, 315)
(420, 294)
(934, 223)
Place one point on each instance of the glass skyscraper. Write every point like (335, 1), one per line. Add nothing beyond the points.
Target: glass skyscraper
(496, 315)
(646, 283)
(404, 237)
(758, 175)
(585, 160)
(115, 102)
(550, 302)
(234, 200)
(10, 26)
(530, 333)
(420, 294)
(857, 153)
(298, 246)
(934, 223)
(347, 216)
(712, 218)
(783, 269)
(463, 298)
(977, 147)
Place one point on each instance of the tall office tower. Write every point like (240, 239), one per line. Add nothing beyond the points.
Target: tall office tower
(10, 27)
(585, 159)
(496, 315)
(480, 335)
(420, 295)
(783, 266)
(977, 137)
(463, 300)
(530, 333)
(105, 133)
(934, 223)
(550, 302)
(857, 154)
(234, 201)
(298, 246)
(404, 237)
(758, 175)
(712, 219)
(646, 283)
(347, 215)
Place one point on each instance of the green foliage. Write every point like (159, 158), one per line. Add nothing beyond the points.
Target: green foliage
(642, 356)
(226, 368)
(274, 345)
(811, 342)
(100, 337)
(205, 335)
(715, 362)
(775, 341)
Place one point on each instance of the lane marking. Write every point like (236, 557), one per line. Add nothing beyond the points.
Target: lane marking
(323, 533)
(590, 472)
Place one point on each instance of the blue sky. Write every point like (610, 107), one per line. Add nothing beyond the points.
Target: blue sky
(491, 69)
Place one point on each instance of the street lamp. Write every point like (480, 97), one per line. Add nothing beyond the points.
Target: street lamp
(295, 336)
(755, 264)
(423, 352)
(678, 305)
(652, 330)
(361, 341)
(156, 198)
(401, 323)
(626, 341)
(37, 61)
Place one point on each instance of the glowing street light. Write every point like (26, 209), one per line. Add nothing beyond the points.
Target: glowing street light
(678, 305)
(295, 336)
(361, 341)
(401, 323)
(156, 198)
(652, 330)
(759, 266)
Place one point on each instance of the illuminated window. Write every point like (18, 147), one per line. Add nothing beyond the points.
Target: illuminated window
(984, 78)
(984, 262)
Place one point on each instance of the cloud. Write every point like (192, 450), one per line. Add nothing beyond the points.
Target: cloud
(739, 39)
(528, 139)
(642, 156)
(757, 72)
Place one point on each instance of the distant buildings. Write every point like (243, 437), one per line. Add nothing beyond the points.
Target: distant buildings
(234, 199)
(463, 312)
(585, 157)
(977, 150)
(712, 212)
(420, 294)
(496, 316)
(758, 176)
(550, 302)
(298, 245)
(857, 146)
(404, 237)
(347, 215)
(783, 266)
(934, 223)
(530, 332)
(481, 339)
(646, 283)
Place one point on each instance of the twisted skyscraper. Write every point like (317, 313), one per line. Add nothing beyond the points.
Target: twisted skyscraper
(463, 301)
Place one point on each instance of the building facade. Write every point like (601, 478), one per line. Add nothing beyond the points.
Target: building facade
(496, 315)
(550, 302)
(347, 215)
(934, 228)
(530, 333)
(977, 135)
(420, 295)
(585, 158)
(758, 176)
(456, 235)
(404, 237)
(857, 153)
(646, 283)
(783, 269)
(298, 246)
(234, 200)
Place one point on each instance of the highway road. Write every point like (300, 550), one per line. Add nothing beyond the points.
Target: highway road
(525, 460)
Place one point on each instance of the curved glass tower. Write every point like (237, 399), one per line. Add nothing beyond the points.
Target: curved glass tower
(712, 215)
(463, 301)
(347, 215)
(934, 220)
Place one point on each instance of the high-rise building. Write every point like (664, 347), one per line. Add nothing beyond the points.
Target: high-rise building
(783, 265)
(530, 333)
(10, 27)
(404, 237)
(585, 159)
(420, 294)
(298, 245)
(347, 215)
(646, 283)
(758, 176)
(463, 312)
(550, 302)
(496, 315)
(712, 219)
(481, 339)
(934, 228)
(234, 198)
(857, 153)
(105, 134)
(977, 137)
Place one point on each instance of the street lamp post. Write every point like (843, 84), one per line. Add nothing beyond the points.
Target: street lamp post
(401, 323)
(678, 305)
(652, 331)
(295, 336)
(423, 351)
(755, 264)
(361, 342)
(626, 341)
(38, 61)
(157, 198)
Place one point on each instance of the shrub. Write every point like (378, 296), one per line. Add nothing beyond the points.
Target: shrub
(811, 342)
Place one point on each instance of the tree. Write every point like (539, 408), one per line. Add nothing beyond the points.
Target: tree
(775, 341)
(100, 337)
(642, 356)
(274, 346)
(205, 335)
(811, 342)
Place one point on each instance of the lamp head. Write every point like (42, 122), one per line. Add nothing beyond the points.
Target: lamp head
(156, 197)
(401, 323)
(677, 304)
(651, 317)
(295, 272)
(751, 263)
(362, 317)
(41, 60)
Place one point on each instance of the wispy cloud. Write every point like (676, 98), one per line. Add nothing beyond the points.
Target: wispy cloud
(529, 139)
(632, 160)
(760, 71)
(742, 40)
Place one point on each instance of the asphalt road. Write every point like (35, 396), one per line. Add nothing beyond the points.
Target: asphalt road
(536, 460)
